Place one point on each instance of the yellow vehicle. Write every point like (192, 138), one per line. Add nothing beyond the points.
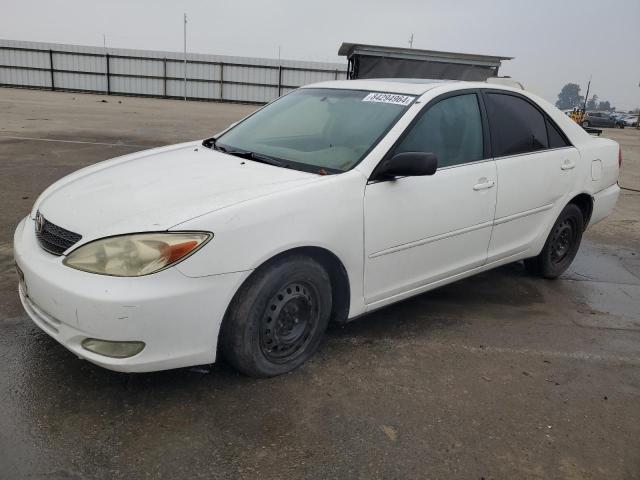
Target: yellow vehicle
(577, 115)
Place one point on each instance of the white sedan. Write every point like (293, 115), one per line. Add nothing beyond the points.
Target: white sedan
(630, 120)
(335, 200)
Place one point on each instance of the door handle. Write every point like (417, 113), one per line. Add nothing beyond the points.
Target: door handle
(485, 184)
(568, 165)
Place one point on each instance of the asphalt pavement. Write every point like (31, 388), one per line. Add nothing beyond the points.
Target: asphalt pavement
(499, 376)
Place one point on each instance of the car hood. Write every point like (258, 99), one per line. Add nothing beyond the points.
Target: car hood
(157, 189)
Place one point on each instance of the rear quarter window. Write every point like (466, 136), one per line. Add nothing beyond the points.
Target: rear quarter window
(556, 138)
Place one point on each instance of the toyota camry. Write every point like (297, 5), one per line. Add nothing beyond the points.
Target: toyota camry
(330, 202)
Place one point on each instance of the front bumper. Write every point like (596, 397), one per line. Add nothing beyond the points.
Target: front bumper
(177, 317)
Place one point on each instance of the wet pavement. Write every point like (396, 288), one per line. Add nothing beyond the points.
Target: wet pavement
(501, 375)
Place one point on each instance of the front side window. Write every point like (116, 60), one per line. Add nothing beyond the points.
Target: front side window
(451, 129)
(318, 129)
(516, 125)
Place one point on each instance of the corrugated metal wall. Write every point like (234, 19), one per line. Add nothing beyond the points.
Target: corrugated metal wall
(153, 73)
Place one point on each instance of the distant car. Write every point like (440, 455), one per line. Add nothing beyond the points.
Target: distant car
(624, 118)
(333, 201)
(630, 120)
(601, 119)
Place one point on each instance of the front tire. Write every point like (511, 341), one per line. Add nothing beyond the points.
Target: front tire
(586, 124)
(278, 317)
(561, 246)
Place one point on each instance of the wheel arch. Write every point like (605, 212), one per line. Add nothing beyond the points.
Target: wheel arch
(340, 285)
(584, 201)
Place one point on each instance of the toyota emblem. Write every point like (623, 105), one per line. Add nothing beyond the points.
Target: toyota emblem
(39, 222)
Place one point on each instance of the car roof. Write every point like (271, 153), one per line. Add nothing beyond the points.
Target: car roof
(409, 86)
(413, 86)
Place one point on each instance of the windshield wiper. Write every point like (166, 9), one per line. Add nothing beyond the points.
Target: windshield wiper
(253, 156)
(256, 157)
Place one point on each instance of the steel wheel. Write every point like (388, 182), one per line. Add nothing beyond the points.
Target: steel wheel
(291, 316)
(278, 317)
(561, 246)
(563, 237)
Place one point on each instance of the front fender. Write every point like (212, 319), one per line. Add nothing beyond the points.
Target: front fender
(327, 214)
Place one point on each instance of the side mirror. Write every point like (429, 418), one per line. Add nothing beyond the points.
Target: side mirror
(406, 164)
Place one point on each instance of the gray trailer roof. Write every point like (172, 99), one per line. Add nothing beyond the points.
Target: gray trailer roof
(350, 49)
(375, 61)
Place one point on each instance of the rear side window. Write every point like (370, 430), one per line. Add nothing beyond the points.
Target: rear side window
(556, 139)
(516, 125)
(452, 129)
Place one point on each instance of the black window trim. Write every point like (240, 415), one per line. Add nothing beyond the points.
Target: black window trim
(486, 139)
(545, 115)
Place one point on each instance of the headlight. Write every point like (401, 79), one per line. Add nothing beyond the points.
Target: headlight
(136, 255)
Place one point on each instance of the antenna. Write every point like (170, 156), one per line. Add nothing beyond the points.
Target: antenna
(586, 97)
(411, 41)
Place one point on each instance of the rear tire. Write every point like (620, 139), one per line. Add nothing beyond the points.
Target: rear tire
(278, 317)
(561, 246)
(586, 124)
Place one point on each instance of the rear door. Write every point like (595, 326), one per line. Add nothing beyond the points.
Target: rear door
(536, 169)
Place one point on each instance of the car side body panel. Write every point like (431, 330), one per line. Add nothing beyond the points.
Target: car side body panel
(531, 188)
(416, 232)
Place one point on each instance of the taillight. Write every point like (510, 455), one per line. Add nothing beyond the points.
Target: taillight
(619, 157)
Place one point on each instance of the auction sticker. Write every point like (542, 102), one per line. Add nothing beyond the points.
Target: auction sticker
(389, 98)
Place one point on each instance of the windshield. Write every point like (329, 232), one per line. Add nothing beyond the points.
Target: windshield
(318, 130)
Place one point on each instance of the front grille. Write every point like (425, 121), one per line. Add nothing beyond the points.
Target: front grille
(52, 238)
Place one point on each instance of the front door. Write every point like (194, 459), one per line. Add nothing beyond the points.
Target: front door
(419, 230)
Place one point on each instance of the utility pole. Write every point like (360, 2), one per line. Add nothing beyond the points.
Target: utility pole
(279, 48)
(411, 41)
(106, 71)
(185, 56)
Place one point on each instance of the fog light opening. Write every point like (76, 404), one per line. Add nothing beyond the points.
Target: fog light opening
(112, 349)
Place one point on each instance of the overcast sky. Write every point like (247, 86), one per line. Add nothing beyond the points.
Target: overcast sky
(553, 41)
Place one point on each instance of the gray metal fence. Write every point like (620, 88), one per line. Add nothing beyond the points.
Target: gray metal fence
(156, 74)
